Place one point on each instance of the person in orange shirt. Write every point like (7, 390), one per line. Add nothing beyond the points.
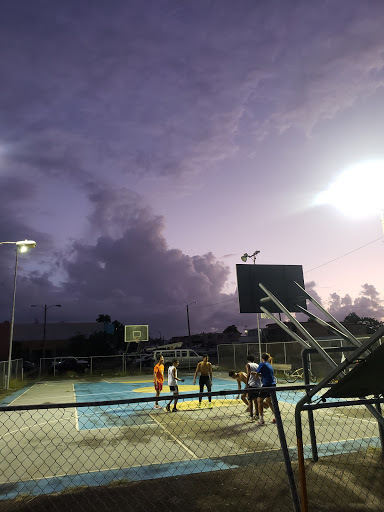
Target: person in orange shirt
(158, 379)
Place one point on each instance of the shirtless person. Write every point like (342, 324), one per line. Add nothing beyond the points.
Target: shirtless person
(205, 369)
(241, 377)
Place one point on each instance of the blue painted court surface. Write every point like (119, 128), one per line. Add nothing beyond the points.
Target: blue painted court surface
(129, 414)
(101, 417)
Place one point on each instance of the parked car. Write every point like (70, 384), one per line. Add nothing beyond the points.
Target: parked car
(28, 366)
(187, 358)
(70, 364)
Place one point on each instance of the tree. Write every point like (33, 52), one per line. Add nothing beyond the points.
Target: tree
(231, 329)
(105, 319)
(372, 323)
(352, 318)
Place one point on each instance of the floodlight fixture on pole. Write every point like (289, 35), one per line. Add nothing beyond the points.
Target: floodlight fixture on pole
(189, 327)
(21, 246)
(245, 256)
(45, 320)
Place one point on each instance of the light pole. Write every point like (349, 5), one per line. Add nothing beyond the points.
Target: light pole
(189, 327)
(21, 246)
(244, 258)
(45, 319)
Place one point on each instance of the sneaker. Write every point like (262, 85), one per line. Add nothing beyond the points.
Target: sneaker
(250, 419)
(157, 406)
(175, 410)
(261, 422)
(210, 405)
(199, 404)
(257, 417)
(168, 409)
(273, 421)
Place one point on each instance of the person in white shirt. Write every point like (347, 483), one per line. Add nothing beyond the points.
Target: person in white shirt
(253, 381)
(172, 383)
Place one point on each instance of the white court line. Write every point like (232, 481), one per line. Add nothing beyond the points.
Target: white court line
(76, 415)
(33, 426)
(22, 394)
(175, 438)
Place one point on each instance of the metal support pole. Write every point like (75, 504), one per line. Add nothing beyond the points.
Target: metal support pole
(12, 322)
(258, 333)
(189, 327)
(381, 430)
(300, 457)
(311, 422)
(305, 354)
(284, 448)
(45, 330)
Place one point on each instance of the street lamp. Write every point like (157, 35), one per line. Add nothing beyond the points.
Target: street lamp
(189, 327)
(45, 319)
(245, 256)
(21, 246)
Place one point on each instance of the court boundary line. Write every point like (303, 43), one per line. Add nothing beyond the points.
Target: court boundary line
(32, 426)
(292, 449)
(174, 438)
(23, 393)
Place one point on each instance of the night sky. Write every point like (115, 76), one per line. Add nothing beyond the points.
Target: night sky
(146, 145)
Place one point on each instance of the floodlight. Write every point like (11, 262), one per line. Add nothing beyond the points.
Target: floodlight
(25, 244)
(244, 257)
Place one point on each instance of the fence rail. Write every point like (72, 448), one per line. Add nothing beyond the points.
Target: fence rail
(233, 356)
(128, 455)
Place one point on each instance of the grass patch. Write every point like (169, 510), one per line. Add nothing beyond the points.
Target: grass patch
(14, 385)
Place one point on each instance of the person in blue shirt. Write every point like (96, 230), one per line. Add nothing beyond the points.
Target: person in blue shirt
(265, 372)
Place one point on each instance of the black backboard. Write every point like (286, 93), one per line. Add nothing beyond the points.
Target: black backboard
(278, 279)
(365, 379)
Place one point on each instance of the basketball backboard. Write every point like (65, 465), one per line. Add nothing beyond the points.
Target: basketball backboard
(135, 333)
(278, 279)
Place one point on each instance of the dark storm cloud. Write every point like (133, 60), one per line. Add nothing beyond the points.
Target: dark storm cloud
(166, 88)
(368, 304)
(92, 94)
(130, 271)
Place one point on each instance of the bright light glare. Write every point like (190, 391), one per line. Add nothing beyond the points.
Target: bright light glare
(23, 248)
(358, 191)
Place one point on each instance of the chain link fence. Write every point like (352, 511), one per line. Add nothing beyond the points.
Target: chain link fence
(94, 365)
(16, 371)
(233, 356)
(127, 455)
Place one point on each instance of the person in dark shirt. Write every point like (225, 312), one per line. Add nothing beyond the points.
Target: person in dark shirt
(265, 372)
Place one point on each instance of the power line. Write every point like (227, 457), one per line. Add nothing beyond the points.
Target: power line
(215, 303)
(346, 254)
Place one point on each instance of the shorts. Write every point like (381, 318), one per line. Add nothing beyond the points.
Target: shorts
(266, 394)
(255, 393)
(158, 386)
(175, 389)
(204, 379)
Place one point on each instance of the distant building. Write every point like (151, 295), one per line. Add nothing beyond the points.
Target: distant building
(28, 339)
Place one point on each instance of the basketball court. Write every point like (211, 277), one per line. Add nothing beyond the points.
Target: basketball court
(97, 444)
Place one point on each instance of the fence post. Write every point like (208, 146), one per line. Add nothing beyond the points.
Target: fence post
(284, 448)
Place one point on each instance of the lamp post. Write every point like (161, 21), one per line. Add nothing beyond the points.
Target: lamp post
(21, 246)
(45, 319)
(189, 327)
(244, 258)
